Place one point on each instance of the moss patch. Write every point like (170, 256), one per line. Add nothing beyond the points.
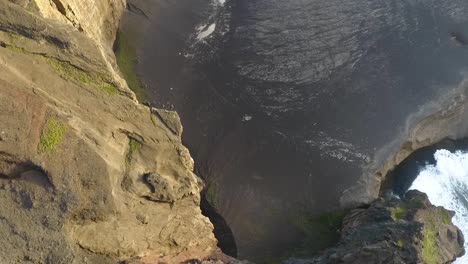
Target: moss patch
(72, 73)
(67, 70)
(51, 135)
(446, 218)
(32, 7)
(430, 254)
(133, 147)
(319, 232)
(212, 193)
(430, 250)
(398, 212)
(125, 53)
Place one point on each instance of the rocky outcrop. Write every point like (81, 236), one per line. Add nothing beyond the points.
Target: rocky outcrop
(87, 175)
(410, 230)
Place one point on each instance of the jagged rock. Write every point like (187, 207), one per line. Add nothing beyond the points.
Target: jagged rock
(410, 230)
(160, 189)
(170, 119)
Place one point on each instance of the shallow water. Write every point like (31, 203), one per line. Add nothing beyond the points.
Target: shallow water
(284, 103)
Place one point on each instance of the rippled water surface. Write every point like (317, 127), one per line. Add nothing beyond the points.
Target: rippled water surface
(285, 103)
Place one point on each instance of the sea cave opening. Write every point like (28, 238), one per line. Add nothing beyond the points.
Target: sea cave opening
(440, 171)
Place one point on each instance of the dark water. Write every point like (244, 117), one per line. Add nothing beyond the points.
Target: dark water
(287, 102)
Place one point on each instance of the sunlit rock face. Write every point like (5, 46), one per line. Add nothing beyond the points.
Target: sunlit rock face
(98, 19)
(87, 174)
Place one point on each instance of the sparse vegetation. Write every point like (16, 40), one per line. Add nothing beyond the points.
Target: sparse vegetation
(446, 219)
(133, 147)
(125, 53)
(69, 71)
(320, 231)
(400, 243)
(212, 193)
(32, 6)
(72, 73)
(52, 134)
(429, 251)
(398, 212)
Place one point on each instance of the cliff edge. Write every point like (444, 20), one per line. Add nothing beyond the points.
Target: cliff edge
(87, 175)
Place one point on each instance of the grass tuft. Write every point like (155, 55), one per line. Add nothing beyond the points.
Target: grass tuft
(72, 73)
(133, 147)
(32, 7)
(398, 212)
(400, 243)
(51, 135)
(429, 251)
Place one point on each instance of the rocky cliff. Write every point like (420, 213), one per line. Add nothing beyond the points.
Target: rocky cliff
(87, 175)
(410, 230)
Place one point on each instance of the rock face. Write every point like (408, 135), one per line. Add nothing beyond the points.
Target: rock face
(410, 230)
(87, 175)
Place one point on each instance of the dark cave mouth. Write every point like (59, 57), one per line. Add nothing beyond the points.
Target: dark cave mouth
(399, 180)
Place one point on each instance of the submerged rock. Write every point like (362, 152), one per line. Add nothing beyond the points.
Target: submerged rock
(410, 230)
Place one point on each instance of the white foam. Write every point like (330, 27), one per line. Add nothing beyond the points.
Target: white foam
(445, 183)
(246, 118)
(206, 31)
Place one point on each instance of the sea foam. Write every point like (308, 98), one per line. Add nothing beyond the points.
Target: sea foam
(446, 184)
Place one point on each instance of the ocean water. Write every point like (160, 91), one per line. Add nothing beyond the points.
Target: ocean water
(286, 103)
(446, 184)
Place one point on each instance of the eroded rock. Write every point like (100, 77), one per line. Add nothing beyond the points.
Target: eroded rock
(67, 119)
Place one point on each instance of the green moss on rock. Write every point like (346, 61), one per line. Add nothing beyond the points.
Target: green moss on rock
(67, 70)
(72, 73)
(32, 7)
(430, 254)
(51, 135)
(125, 53)
(133, 147)
(320, 231)
(398, 212)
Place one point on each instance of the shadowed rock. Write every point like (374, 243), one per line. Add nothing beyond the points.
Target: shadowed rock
(410, 230)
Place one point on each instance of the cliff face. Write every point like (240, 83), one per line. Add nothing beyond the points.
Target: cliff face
(410, 230)
(87, 175)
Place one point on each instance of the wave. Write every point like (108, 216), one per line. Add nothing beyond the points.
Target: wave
(446, 184)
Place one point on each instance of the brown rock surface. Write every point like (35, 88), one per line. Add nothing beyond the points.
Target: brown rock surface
(75, 147)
